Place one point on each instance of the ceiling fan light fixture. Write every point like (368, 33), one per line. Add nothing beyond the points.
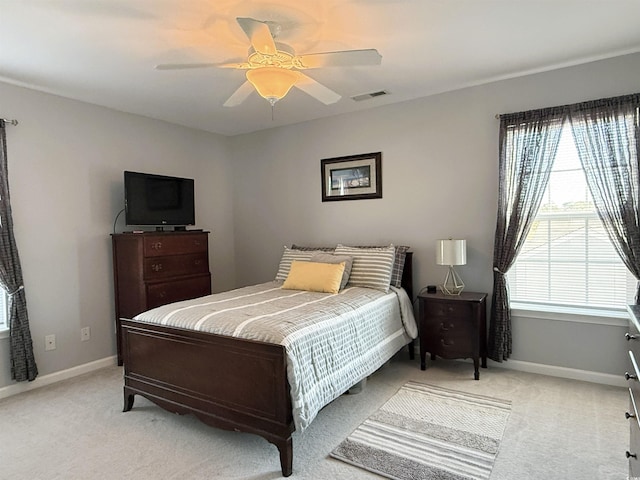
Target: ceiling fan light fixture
(272, 83)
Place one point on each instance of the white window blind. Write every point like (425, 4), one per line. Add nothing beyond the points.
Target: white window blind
(567, 258)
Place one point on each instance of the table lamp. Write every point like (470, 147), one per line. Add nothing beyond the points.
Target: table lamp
(451, 252)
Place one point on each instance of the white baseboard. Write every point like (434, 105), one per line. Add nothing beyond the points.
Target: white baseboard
(21, 387)
(550, 370)
(562, 372)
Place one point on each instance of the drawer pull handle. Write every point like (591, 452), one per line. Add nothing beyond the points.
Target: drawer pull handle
(444, 342)
(198, 262)
(444, 328)
(156, 246)
(156, 267)
(628, 336)
(629, 454)
(162, 294)
(628, 376)
(629, 415)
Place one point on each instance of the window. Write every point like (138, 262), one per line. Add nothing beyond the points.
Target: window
(567, 258)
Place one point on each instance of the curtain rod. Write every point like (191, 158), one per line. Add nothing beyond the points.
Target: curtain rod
(12, 122)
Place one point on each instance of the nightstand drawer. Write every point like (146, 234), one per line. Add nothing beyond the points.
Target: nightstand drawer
(438, 310)
(456, 344)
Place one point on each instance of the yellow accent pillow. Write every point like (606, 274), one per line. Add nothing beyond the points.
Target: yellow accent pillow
(314, 277)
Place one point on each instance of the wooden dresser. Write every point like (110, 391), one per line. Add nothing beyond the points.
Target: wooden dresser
(633, 375)
(155, 268)
(453, 326)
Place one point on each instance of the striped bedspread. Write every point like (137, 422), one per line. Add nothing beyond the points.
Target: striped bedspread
(332, 340)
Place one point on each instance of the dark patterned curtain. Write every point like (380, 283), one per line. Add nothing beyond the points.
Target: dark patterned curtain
(527, 148)
(23, 364)
(607, 135)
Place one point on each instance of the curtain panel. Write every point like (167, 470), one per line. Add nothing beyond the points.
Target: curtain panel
(528, 144)
(607, 136)
(23, 364)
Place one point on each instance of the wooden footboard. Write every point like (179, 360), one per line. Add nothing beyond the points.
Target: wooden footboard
(228, 383)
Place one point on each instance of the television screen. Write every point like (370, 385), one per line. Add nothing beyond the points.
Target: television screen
(158, 200)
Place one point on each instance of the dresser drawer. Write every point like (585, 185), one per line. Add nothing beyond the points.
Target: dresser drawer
(634, 435)
(633, 340)
(160, 245)
(159, 267)
(633, 373)
(174, 291)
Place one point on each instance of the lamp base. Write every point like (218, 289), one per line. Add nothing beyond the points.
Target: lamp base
(453, 284)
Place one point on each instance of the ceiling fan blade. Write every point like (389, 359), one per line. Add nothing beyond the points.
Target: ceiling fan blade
(184, 66)
(318, 91)
(346, 58)
(240, 95)
(240, 66)
(260, 35)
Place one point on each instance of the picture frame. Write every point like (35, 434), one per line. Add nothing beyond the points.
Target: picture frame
(355, 177)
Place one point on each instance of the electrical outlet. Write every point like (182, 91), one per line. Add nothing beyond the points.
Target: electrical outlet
(85, 334)
(50, 342)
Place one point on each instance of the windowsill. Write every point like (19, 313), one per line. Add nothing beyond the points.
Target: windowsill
(4, 334)
(617, 318)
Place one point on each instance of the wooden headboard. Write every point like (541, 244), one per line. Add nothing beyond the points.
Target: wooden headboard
(407, 275)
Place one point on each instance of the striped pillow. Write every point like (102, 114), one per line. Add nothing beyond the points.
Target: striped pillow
(398, 264)
(372, 267)
(289, 256)
(301, 247)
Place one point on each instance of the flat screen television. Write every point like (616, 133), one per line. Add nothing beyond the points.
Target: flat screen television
(158, 200)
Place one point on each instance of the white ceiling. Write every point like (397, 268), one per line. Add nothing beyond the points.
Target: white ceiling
(104, 51)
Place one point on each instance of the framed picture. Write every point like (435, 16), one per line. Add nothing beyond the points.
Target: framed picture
(355, 177)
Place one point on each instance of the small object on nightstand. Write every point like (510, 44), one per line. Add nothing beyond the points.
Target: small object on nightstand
(431, 289)
(454, 326)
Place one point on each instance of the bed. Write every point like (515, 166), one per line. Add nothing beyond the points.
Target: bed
(214, 358)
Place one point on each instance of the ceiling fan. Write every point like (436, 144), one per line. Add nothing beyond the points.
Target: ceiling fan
(272, 68)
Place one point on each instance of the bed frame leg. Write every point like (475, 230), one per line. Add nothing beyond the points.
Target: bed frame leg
(286, 456)
(412, 352)
(128, 400)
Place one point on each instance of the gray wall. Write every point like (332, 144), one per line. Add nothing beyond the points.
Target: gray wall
(439, 180)
(260, 191)
(66, 160)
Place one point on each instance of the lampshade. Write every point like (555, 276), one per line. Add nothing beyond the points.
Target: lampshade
(272, 83)
(451, 252)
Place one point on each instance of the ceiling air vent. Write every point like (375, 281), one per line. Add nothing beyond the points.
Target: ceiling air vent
(367, 96)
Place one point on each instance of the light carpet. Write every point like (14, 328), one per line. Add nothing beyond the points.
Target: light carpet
(428, 432)
(558, 429)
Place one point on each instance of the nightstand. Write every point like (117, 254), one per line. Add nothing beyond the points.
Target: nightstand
(453, 326)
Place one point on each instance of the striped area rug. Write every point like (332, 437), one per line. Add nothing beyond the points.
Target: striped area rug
(428, 432)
